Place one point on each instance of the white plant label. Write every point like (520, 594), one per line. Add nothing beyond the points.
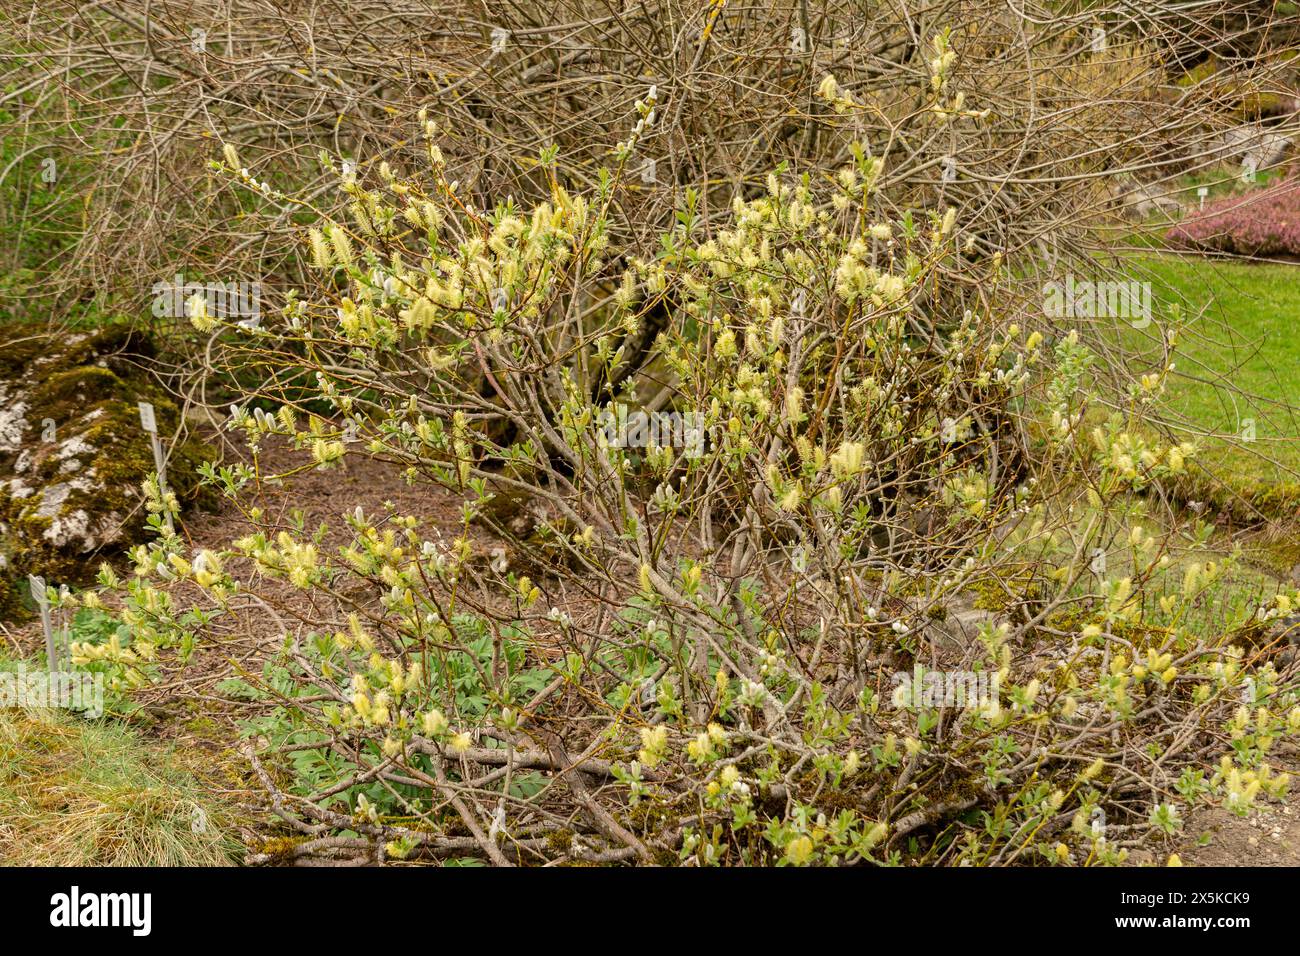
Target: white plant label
(148, 421)
(1098, 39)
(948, 169)
(500, 37)
(37, 585)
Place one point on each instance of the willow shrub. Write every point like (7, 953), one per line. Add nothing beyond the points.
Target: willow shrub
(880, 592)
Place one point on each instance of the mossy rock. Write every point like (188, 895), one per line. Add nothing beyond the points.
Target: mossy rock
(73, 455)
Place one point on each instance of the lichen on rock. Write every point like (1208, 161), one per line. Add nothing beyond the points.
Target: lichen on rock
(72, 453)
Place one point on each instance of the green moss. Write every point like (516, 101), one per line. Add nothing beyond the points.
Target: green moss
(203, 727)
(17, 351)
(1198, 74)
(650, 815)
(280, 849)
(1005, 593)
(67, 394)
(1071, 619)
(12, 606)
(1247, 103)
(664, 857)
(119, 345)
(559, 841)
(1259, 103)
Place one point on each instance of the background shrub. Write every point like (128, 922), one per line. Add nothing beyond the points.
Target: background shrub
(1263, 222)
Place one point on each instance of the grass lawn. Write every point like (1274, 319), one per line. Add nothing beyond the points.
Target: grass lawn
(1238, 361)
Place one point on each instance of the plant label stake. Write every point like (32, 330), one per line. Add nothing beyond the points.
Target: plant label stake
(1201, 193)
(64, 635)
(149, 422)
(37, 584)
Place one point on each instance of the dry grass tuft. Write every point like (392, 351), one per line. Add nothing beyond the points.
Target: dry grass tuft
(76, 793)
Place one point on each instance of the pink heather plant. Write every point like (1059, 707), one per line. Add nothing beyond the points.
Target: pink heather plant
(1264, 222)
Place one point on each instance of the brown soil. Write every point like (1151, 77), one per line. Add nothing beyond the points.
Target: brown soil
(1213, 836)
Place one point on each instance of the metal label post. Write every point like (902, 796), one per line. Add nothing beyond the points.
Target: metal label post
(52, 658)
(149, 422)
